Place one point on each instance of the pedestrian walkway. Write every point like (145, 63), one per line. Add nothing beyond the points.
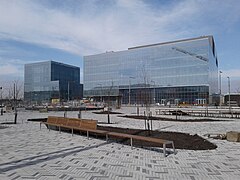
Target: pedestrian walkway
(26, 152)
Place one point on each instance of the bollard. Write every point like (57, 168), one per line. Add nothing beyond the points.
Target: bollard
(176, 114)
(79, 114)
(151, 125)
(148, 125)
(145, 123)
(15, 117)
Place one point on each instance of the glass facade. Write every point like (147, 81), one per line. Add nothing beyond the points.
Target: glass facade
(49, 80)
(184, 71)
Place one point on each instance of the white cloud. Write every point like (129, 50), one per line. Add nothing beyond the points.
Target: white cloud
(232, 73)
(11, 69)
(88, 29)
(8, 69)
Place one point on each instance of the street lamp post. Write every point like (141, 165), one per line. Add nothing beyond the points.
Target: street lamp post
(101, 92)
(1, 102)
(129, 94)
(229, 104)
(59, 95)
(68, 91)
(154, 96)
(220, 88)
(15, 104)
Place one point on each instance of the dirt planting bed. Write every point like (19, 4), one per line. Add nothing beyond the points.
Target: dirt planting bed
(105, 112)
(171, 119)
(181, 140)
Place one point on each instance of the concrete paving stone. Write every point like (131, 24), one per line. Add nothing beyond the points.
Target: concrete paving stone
(50, 155)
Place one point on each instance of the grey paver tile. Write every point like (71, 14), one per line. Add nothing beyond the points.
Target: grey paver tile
(40, 154)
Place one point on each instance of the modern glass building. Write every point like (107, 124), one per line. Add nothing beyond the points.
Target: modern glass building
(183, 71)
(47, 81)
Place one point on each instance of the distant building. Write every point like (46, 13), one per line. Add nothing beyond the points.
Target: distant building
(177, 72)
(234, 99)
(51, 81)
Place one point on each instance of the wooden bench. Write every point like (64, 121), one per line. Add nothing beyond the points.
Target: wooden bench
(144, 138)
(90, 126)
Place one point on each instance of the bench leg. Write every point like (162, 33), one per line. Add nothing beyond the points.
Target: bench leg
(87, 135)
(72, 131)
(59, 129)
(131, 143)
(174, 151)
(164, 150)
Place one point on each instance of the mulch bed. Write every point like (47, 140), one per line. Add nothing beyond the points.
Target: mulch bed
(181, 140)
(169, 119)
(38, 120)
(105, 112)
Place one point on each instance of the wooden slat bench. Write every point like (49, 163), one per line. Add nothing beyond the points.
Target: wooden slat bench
(144, 138)
(90, 126)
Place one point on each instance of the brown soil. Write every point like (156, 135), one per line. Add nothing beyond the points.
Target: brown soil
(38, 120)
(181, 140)
(170, 119)
(105, 112)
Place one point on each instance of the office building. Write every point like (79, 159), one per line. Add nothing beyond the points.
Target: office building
(51, 81)
(177, 72)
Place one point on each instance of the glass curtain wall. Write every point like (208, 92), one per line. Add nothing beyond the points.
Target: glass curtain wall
(69, 80)
(38, 86)
(182, 70)
(49, 80)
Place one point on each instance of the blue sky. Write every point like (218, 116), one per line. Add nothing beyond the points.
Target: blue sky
(64, 31)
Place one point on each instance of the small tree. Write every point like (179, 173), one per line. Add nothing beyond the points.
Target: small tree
(15, 92)
(146, 97)
(109, 93)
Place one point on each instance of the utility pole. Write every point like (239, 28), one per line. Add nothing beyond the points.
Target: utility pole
(229, 104)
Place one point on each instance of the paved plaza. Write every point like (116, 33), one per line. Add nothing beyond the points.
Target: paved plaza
(26, 152)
